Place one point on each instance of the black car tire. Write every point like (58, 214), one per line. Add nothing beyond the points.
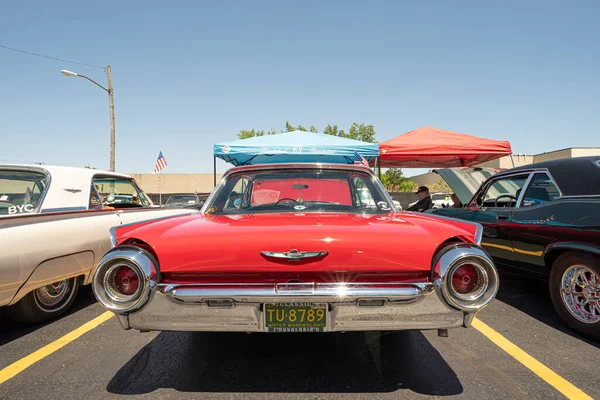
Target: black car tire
(31, 308)
(560, 266)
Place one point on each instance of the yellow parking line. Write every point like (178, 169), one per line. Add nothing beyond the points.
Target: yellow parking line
(18, 366)
(552, 378)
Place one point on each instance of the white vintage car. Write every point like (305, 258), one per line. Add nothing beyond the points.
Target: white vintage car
(54, 225)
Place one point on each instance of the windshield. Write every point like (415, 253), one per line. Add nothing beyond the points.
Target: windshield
(183, 199)
(305, 190)
(21, 191)
(120, 193)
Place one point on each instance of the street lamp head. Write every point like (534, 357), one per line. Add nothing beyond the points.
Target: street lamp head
(68, 73)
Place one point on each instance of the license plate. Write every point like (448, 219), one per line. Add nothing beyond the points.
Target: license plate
(295, 317)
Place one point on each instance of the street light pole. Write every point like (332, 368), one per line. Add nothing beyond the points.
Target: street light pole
(111, 107)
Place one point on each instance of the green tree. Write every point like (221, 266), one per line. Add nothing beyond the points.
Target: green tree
(440, 187)
(289, 127)
(394, 181)
(245, 134)
(407, 186)
(333, 130)
(362, 132)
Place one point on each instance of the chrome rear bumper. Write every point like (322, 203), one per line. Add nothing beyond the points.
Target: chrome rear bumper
(239, 307)
(352, 307)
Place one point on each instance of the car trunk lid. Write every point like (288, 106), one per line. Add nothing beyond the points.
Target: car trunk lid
(466, 181)
(317, 245)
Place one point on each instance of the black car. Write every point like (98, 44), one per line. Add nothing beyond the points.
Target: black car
(542, 220)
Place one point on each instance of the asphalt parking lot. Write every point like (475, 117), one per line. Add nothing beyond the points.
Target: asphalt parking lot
(474, 363)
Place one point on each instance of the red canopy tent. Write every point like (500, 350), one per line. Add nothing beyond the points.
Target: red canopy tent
(429, 147)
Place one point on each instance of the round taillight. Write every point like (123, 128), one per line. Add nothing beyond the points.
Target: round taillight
(468, 281)
(122, 282)
(465, 279)
(126, 280)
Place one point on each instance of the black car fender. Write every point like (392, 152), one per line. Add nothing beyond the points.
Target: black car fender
(554, 250)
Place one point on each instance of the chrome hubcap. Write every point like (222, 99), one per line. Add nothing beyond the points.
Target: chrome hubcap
(53, 294)
(580, 292)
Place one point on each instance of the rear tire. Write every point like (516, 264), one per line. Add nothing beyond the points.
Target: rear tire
(45, 303)
(575, 291)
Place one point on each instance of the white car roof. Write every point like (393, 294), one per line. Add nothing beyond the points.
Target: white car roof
(69, 186)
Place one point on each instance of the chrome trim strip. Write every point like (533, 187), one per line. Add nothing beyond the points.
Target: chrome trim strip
(375, 179)
(112, 232)
(560, 193)
(583, 196)
(479, 234)
(308, 165)
(523, 190)
(315, 292)
(63, 209)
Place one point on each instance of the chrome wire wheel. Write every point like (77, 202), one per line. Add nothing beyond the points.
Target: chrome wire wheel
(580, 293)
(54, 296)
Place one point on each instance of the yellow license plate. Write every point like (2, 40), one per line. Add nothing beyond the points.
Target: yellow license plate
(295, 317)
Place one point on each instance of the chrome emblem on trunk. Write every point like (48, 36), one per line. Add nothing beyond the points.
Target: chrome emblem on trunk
(294, 254)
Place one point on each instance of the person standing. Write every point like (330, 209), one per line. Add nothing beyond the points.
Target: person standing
(424, 202)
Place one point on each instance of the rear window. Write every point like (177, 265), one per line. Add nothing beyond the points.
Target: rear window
(21, 191)
(306, 190)
(323, 190)
(541, 190)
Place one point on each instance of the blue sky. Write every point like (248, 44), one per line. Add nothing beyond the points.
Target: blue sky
(190, 74)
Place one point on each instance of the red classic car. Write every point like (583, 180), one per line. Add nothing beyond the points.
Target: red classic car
(297, 248)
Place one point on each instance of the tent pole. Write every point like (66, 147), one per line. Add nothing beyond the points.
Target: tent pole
(214, 170)
(512, 160)
(379, 167)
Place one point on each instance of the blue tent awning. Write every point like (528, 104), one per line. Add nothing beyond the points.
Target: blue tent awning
(296, 146)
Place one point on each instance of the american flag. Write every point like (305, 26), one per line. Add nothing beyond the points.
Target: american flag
(160, 163)
(358, 159)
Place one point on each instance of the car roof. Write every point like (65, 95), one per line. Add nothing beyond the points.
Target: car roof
(578, 176)
(76, 172)
(299, 165)
(69, 187)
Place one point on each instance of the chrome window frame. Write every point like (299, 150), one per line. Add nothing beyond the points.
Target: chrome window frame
(495, 178)
(262, 167)
(43, 171)
(533, 171)
(141, 193)
(528, 184)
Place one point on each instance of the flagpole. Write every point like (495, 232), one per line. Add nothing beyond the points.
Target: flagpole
(160, 189)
